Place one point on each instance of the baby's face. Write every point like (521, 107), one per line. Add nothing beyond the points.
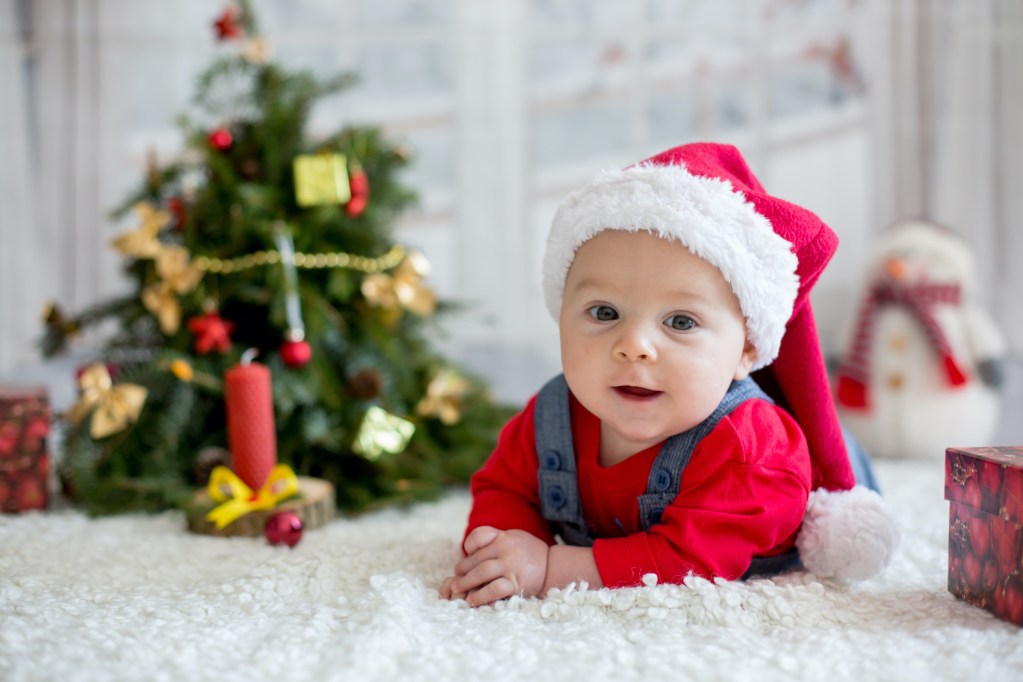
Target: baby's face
(651, 337)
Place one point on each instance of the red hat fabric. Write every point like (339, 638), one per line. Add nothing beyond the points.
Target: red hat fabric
(705, 196)
(798, 376)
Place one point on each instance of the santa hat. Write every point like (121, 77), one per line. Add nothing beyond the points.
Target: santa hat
(770, 252)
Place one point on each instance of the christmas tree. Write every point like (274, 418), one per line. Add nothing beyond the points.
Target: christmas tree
(260, 240)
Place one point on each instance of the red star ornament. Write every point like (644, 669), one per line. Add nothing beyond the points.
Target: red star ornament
(227, 26)
(212, 332)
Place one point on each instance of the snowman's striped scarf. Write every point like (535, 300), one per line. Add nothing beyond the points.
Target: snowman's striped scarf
(919, 300)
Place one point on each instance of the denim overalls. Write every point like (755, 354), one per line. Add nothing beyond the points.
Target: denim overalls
(559, 484)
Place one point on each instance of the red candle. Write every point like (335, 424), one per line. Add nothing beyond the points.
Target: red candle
(251, 436)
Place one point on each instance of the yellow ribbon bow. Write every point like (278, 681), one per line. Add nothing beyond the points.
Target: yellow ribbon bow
(112, 407)
(239, 500)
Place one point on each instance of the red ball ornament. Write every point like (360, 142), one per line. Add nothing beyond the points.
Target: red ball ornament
(221, 139)
(283, 528)
(296, 353)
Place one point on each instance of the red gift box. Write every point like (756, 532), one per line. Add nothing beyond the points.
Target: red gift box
(24, 458)
(985, 532)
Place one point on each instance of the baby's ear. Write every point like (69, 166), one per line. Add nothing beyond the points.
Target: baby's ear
(746, 360)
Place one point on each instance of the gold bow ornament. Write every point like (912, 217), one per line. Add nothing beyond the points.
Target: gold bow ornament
(405, 289)
(443, 398)
(178, 276)
(142, 242)
(382, 432)
(113, 408)
(238, 499)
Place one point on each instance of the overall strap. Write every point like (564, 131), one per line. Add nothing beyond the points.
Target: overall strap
(559, 482)
(666, 473)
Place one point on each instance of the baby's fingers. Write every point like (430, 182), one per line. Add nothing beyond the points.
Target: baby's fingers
(481, 574)
(445, 588)
(491, 592)
(479, 538)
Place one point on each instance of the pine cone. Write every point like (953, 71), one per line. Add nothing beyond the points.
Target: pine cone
(365, 384)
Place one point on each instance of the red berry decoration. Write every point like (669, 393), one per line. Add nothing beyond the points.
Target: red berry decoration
(296, 353)
(221, 139)
(176, 206)
(284, 528)
(358, 183)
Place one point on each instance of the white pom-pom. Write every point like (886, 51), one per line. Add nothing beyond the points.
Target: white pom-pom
(849, 534)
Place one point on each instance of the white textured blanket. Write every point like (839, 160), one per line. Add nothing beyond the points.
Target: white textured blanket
(139, 598)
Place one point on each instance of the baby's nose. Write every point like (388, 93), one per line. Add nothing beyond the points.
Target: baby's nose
(635, 344)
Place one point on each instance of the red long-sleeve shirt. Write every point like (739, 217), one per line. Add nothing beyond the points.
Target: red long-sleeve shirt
(743, 494)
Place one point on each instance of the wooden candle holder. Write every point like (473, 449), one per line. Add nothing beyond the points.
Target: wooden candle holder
(315, 505)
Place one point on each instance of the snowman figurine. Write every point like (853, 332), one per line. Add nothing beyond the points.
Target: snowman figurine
(923, 365)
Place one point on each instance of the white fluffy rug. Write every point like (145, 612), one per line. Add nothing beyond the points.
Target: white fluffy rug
(139, 598)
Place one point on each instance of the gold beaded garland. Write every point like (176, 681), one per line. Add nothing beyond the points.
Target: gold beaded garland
(308, 261)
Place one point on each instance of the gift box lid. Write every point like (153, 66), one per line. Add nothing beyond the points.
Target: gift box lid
(988, 479)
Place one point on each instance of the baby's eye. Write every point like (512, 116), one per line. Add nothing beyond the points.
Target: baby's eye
(680, 323)
(603, 313)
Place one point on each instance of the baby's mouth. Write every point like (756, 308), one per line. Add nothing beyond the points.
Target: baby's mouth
(636, 392)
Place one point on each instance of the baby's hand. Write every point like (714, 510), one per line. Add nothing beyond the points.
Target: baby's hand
(500, 564)
(446, 591)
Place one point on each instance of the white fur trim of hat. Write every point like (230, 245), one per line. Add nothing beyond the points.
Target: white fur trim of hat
(707, 216)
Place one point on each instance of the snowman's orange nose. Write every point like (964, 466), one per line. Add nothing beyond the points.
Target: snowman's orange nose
(896, 268)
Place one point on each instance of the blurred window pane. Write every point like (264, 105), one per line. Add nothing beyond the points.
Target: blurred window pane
(577, 134)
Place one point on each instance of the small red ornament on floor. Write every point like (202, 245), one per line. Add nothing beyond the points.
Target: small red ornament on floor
(212, 332)
(284, 528)
(221, 139)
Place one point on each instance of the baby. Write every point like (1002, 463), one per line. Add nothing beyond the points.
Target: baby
(674, 282)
